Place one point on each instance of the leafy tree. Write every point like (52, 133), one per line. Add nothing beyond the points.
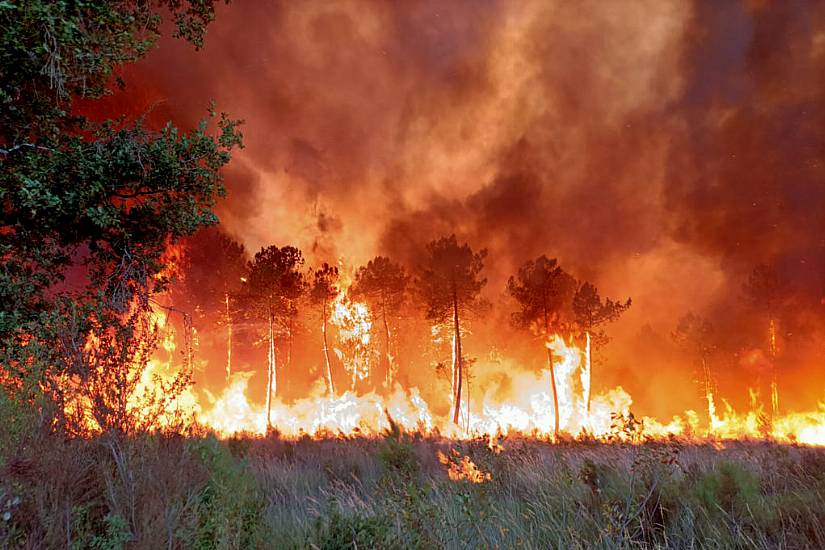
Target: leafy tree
(450, 286)
(766, 289)
(591, 312)
(214, 266)
(542, 288)
(106, 196)
(274, 284)
(695, 335)
(323, 293)
(382, 283)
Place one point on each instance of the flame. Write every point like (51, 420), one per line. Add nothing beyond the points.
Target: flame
(461, 468)
(525, 408)
(354, 329)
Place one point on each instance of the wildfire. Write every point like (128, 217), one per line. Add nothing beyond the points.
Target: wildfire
(354, 327)
(461, 468)
(525, 408)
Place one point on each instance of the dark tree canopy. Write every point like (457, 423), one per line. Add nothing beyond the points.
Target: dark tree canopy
(765, 288)
(542, 289)
(451, 274)
(324, 285)
(382, 283)
(214, 264)
(275, 281)
(694, 333)
(591, 311)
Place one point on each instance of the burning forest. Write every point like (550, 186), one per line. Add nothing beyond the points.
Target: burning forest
(427, 274)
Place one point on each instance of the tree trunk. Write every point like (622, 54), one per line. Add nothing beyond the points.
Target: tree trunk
(552, 375)
(330, 386)
(774, 377)
(288, 373)
(589, 367)
(228, 337)
(555, 393)
(459, 362)
(388, 379)
(709, 394)
(271, 380)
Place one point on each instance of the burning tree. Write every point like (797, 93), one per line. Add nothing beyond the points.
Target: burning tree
(382, 283)
(323, 293)
(542, 288)
(591, 312)
(215, 265)
(695, 335)
(274, 283)
(765, 289)
(450, 286)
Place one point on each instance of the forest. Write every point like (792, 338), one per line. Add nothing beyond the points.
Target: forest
(375, 304)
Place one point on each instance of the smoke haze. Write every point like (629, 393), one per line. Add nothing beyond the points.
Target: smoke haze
(658, 148)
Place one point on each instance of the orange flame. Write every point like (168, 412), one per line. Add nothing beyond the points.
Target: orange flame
(461, 468)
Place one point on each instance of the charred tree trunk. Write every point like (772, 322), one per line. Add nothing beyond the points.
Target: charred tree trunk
(330, 386)
(459, 362)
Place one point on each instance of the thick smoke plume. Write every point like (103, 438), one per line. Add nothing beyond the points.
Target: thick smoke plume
(659, 148)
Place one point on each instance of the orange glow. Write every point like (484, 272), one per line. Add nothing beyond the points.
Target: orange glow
(461, 468)
(525, 408)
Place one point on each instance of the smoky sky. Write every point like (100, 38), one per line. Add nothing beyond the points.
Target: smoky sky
(660, 148)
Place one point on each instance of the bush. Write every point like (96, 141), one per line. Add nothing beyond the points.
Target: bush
(397, 454)
(228, 511)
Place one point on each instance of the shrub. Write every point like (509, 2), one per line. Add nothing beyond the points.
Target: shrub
(228, 511)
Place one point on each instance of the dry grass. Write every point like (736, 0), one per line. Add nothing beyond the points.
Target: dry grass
(156, 491)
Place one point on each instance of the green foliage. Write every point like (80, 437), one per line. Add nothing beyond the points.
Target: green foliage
(397, 454)
(228, 511)
(103, 197)
(115, 537)
(729, 488)
(334, 531)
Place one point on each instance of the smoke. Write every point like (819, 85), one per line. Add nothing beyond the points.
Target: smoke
(659, 148)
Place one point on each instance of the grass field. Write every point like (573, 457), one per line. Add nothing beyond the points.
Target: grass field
(394, 492)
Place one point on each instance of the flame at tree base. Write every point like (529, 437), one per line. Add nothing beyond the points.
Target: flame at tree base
(523, 405)
(526, 408)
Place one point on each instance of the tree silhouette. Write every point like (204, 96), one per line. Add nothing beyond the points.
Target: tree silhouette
(215, 264)
(449, 286)
(382, 284)
(765, 289)
(273, 285)
(541, 289)
(323, 293)
(590, 312)
(695, 335)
